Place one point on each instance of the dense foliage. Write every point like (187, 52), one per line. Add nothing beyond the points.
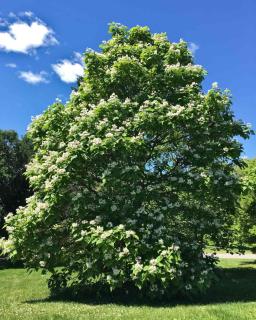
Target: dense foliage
(247, 207)
(14, 155)
(133, 175)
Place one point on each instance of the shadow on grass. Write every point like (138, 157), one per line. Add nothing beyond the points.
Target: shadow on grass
(234, 285)
(253, 262)
(7, 264)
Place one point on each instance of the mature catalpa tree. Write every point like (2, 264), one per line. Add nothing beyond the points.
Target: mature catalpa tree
(133, 175)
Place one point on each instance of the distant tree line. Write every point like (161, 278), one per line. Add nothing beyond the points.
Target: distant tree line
(246, 211)
(15, 153)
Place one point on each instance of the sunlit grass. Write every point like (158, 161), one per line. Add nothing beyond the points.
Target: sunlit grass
(24, 296)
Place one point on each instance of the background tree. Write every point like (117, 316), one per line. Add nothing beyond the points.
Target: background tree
(14, 188)
(247, 205)
(133, 175)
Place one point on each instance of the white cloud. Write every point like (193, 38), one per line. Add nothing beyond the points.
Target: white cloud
(11, 65)
(33, 78)
(12, 15)
(23, 37)
(27, 13)
(193, 47)
(78, 57)
(70, 70)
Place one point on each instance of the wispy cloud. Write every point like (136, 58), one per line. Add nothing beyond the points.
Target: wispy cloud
(12, 15)
(24, 36)
(27, 13)
(33, 78)
(11, 65)
(70, 70)
(78, 57)
(193, 47)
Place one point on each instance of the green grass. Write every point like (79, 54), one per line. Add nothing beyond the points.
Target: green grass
(24, 296)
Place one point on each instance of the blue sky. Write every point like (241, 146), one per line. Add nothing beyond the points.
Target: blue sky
(43, 60)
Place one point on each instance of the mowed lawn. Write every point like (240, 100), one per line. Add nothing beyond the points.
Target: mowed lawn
(25, 296)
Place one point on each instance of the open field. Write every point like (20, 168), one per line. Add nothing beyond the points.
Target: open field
(24, 296)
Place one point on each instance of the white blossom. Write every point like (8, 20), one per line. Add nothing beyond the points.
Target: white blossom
(152, 269)
(42, 264)
(109, 135)
(96, 141)
(113, 207)
(115, 271)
